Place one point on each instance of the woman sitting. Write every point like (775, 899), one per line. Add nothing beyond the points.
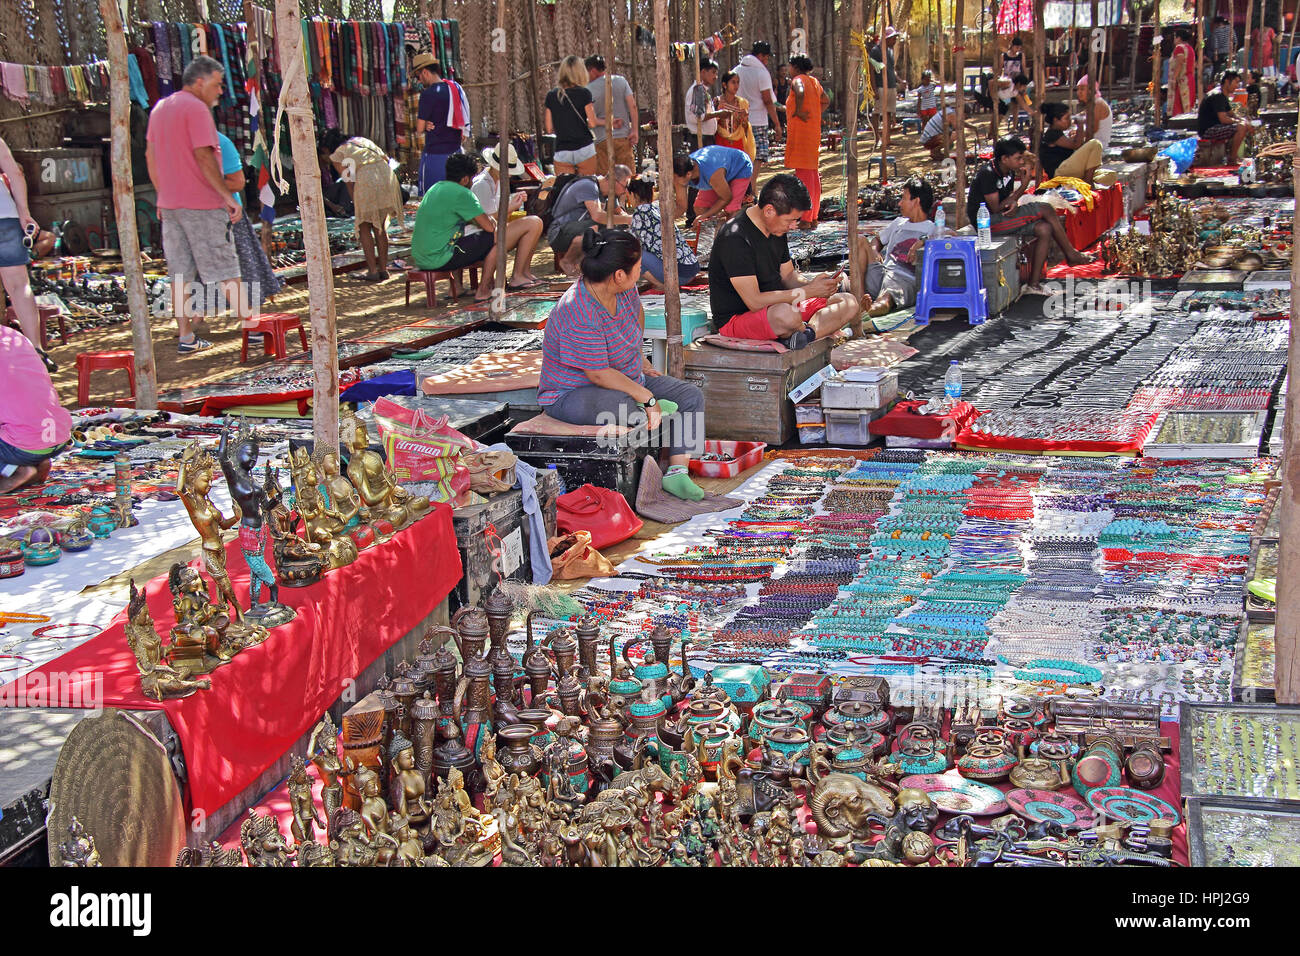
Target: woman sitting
(647, 227)
(593, 369)
(1065, 153)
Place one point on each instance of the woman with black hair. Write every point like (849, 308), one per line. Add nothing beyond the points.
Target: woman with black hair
(1063, 150)
(594, 371)
(647, 226)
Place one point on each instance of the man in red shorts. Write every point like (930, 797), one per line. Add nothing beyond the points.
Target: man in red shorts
(755, 292)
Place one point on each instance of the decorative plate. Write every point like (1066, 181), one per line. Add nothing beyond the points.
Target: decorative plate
(1038, 805)
(955, 794)
(1133, 806)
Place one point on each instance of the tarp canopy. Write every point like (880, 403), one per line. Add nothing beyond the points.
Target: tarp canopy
(1017, 16)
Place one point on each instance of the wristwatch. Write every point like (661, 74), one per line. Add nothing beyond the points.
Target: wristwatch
(650, 402)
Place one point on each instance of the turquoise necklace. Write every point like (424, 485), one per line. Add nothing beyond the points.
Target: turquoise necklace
(1053, 669)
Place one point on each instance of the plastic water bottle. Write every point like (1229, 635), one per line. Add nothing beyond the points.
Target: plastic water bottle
(560, 478)
(940, 222)
(984, 223)
(952, 381)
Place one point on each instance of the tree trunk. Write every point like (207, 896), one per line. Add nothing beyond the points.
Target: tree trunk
(1156, 43)
(1040, 70)
(315, 236)
(1250, 13)
(128, 239)
(852, 66)
(502, 61)
(608, 145)
(1198, 91)
(958, 69)
(1287, 637)
(667, 195)
(1094, 64)
(534, 68)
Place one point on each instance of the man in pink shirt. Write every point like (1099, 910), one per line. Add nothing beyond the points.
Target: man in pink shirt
(195, 207)
(33, 425)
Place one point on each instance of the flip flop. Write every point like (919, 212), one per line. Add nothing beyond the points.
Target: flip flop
(523, 285)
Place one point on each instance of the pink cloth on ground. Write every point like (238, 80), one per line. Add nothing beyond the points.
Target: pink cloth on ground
(31, 417)
(178, 125)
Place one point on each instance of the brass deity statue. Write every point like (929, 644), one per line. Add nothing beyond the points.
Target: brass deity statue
(382, 496)
(79, 848)
(305, 817)
(406, 785)
(158, 679)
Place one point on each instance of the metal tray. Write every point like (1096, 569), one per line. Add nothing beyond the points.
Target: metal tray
(1221, 832)
(1263, 554)
(1253, 661)
(1184, 434)
(1191, 761)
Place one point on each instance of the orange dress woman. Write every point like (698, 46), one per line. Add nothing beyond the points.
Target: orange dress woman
(803, 137)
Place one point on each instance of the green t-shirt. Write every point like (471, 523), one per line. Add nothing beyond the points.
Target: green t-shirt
(439, 222)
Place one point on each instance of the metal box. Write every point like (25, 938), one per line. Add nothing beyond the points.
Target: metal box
(52, 171)
(859, 396)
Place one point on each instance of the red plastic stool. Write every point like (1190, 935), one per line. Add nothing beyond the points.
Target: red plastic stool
(431, 277)
(87, 362)
(47, 312)
(274, 327)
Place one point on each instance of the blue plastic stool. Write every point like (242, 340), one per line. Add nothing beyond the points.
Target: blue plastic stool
(951, 278)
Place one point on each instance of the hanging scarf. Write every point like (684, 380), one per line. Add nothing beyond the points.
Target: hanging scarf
(148, 72)
(178, 53)
(329, 112)
(14, 80)
(360, 65)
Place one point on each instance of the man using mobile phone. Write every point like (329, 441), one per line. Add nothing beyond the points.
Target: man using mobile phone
(755, 292)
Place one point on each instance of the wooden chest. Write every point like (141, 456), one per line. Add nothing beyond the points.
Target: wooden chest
(746, 394)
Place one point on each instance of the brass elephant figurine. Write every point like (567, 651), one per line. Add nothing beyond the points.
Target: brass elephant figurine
(841, 806)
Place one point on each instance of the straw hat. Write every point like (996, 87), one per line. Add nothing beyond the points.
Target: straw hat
(493, 159)
(423, 60)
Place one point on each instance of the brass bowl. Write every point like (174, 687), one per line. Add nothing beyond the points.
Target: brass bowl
(1248, 262)
(1140, 154)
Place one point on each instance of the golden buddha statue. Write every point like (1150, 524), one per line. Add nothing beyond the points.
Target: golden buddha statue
(158, 680)
(193, 482)
(324, 527)
(343, 499)
(374, 811)
(410, 851)
(377, 485)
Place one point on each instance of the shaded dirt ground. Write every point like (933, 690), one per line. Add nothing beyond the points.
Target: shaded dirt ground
(361, 307)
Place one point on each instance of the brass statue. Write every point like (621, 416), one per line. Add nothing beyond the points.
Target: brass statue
(305, 817)
(193, 483)
(374, 811)
(410, 851)
(841, 804)
(406, 785)
(380, 493)
(298, 562)
(329, 766)
(262, 841)
(349, 844)
(158, 680)
(212, 855)
(324, 527)
(79, 848)
(343, 498)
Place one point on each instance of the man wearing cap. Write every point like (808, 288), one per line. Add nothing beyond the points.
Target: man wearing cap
(756, 87)
(522, 234)
(442, 119)
(626, 116)
(886, 103)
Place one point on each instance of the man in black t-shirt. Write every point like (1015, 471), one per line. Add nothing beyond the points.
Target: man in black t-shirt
(755, 291)
(1215, 122)
(992, 186)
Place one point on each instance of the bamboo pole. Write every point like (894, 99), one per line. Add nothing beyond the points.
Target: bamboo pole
(1133, 56)
(1094, 64)
(1290, 57)
(1287, 637)
(315, 237)
(534, 67)
(1198, 90)
(852, 66)
(667, 195)
(128, 240)
(1156, 43)
(633, 79)
(498, 301)
(938, 13)
(699, 124)
(612, 203)
(1040, 71)
(884, 92)
(1250, 13)
(959, 71)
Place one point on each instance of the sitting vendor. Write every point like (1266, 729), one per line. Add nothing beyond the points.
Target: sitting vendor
(889, 260)
(934, 135)
(755, 291)
(1063, 151)
(720, 173)
(1215, 122)
(647, 226)
(1010, 95)
(594, 371)
(993, 186)
(33, 425)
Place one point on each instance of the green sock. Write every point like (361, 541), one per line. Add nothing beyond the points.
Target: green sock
(677, 482)
(666, 407)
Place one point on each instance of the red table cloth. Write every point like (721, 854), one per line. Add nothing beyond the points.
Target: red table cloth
(1088, 225)
(265, 699)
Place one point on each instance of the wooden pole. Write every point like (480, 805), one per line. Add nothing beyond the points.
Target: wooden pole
(1287, 636)
(612, 203)
(502, 58)
(959, 71)
(1040, 70)
(884, 92)
(1094, 64)
(938, 12)
(853, 65)
(667, 195)
(633, 56)
(128, 240)
(1250, 13)
(1290, 57)
(296, 102)
(1198, 90)
(1156, 42)
(534, 68)
(699, 124)
(1133, 56)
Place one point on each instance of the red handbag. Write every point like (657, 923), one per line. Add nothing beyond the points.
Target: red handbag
(604, 513)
